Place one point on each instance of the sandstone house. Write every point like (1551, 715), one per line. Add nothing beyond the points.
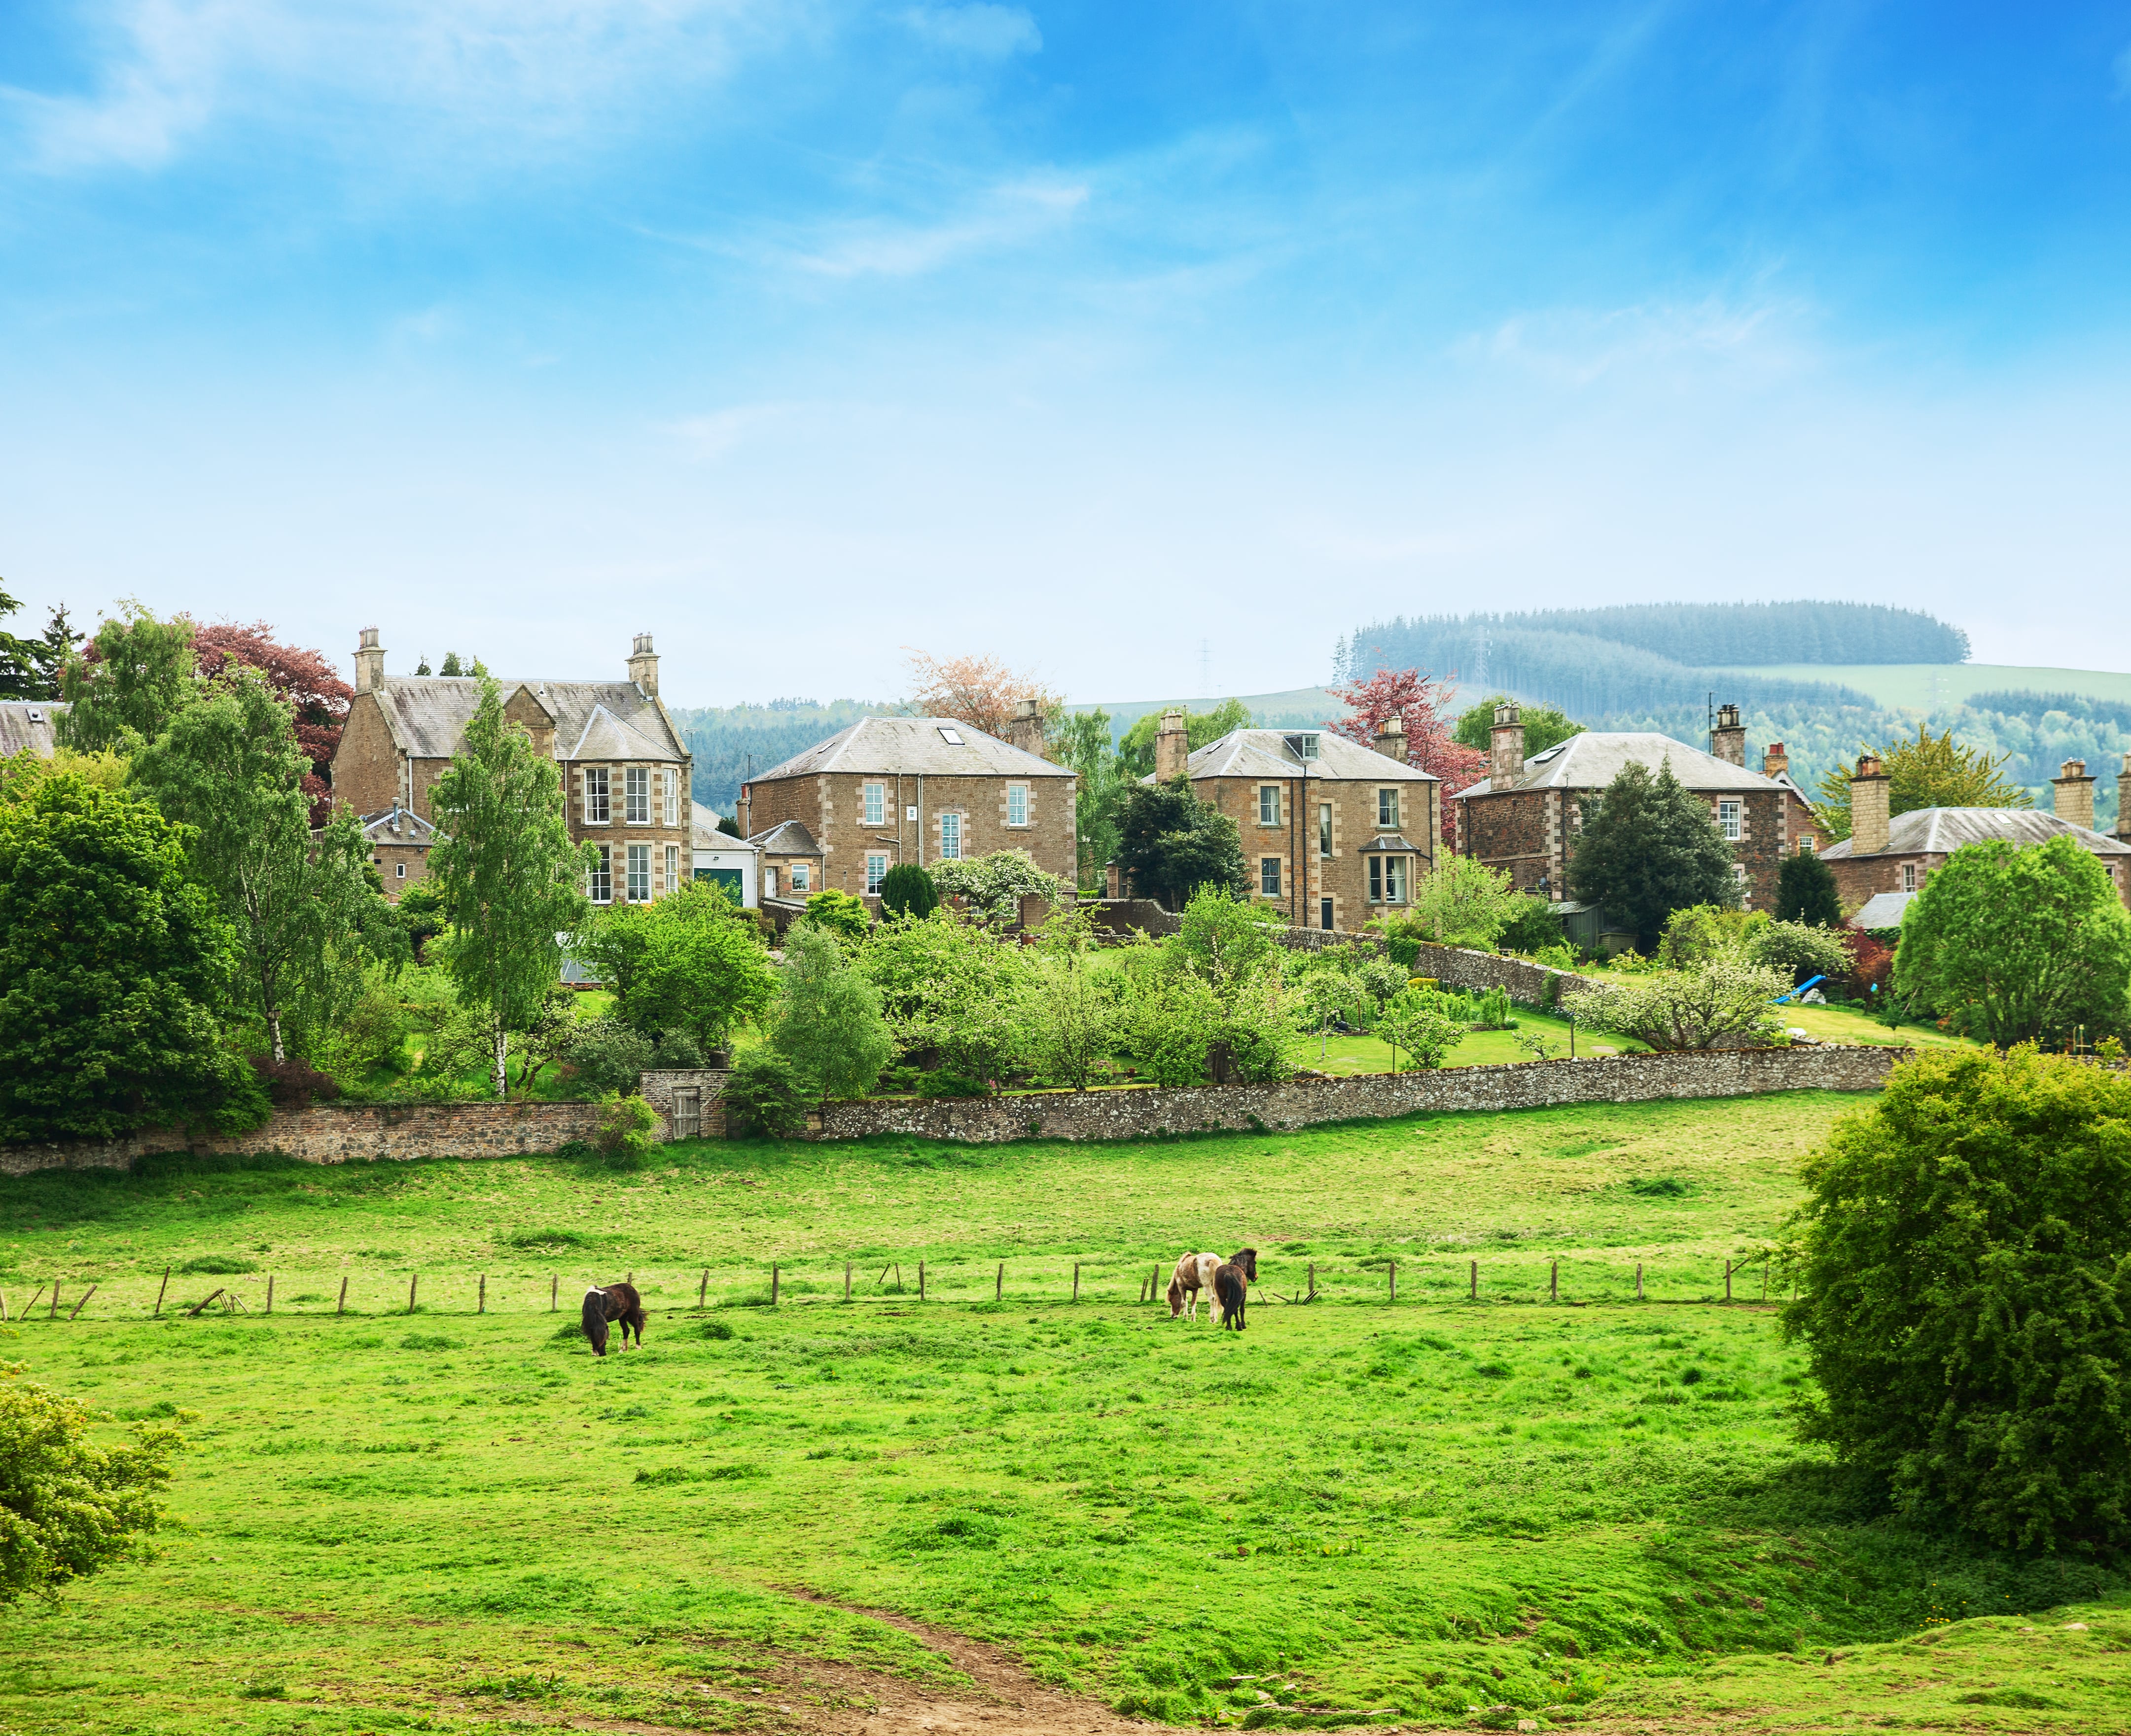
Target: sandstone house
(624, 771)
(907, 789)
(1334, 832)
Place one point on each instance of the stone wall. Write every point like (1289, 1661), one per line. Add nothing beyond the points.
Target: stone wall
(1459, 967)
(708, 1083)
(1139, 1114)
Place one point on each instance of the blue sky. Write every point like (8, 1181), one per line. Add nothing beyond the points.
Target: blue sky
(800, 333)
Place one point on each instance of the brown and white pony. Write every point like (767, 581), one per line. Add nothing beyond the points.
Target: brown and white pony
(1231, 1285)
(615, 1301)
(1193, 1281)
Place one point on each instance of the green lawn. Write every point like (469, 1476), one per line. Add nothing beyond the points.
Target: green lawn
(1588, 1510)
(1927, 686)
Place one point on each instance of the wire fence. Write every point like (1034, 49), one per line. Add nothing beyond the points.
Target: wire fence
(1751, 1277)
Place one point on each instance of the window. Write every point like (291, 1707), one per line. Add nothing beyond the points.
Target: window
(1016, 803)
(400, 873)
(1394, 879)
(1909, 877)
(1325, 915)
(801, 878)
(636, 800)
(600, 890)
(1375, 880)
(876, 804)
(1805, 845)
(953, 738)
(672, 866)
(1727, 819)
(1387, 810)
(670, 783)
(640, 873)
(596, 808)
(951, 837)
(876, 869)
(1268, 804)
(1269, 876)
(1324, 829)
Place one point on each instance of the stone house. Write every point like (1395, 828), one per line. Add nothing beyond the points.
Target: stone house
(400, 843)
(889, 789)
(1334, 832)
(623, 767)
(1883, 855)
(26, 726)
(1525, 816)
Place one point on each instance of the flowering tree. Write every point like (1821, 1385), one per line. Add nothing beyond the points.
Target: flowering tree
(304, 681)
(1423, 705)
(980, 690)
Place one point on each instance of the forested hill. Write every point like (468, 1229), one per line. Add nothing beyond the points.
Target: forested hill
(729, 742)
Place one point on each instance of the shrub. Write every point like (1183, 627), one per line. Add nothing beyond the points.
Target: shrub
(1700, 932)
(828, 1020)
(1804, 952)
(1492, 1011)
(766, 1094)
(624, 1135)
(68, 1506)
(292, 1083)
(1696, 1008)
(841, 914)
(609, 1057)
(1533, 924)
(945, 1084)
(1464, 902)
(1805, 891)
(1965, 1297)
(1411, 1023)
(906, 890)
(994, 885)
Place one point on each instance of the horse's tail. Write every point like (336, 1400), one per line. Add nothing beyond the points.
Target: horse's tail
(594, 1319)
(1228, 1291)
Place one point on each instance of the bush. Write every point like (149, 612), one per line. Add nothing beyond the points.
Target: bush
(945, 1084)
(1701, 933)
(1411, 1023)
(609, 1056)
(625, 1138)
(68, 1506)
(674, 1048)
(906, 890)
(766, 1094)
(1965, 1297)
(1492, 1011)
(1696, 1008)
(841, 914)
(1533, 924)
(1805, 891)
(293, 1082)
(1804, 952)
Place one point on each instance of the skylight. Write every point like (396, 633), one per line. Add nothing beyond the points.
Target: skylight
(1540, 759)
(953, 738)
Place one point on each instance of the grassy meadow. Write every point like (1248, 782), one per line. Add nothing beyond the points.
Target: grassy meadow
(1584, 1510)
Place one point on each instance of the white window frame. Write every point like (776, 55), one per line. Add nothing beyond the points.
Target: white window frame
(876, 869)
(1324, 830)
(637, 872)
(1729, 820)
(636, 796)
(1387, 810)
(599, 803)
(399, 871)
(1909, 877)
(672, 866)
(669, 783)
(600, 882)
(802, 877)
(1805, 846)
(874, 797)
(1375, 880)
(1396, 879)
(1016, 803)
(951, 837)
(1269, 876)
(1268, 804)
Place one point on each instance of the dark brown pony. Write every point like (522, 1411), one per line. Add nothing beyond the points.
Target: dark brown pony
(1232, 1283)
(616, 1302)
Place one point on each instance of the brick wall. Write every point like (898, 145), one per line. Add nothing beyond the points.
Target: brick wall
(1106, 1115)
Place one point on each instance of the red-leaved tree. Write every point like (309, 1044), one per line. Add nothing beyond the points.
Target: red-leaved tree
(1425, 706)
(305, 682)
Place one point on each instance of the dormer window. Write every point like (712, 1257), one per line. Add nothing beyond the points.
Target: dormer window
(1304, 746)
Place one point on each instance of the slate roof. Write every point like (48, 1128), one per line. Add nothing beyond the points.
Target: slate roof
(398, 825)
(1882, 910)
(791, 838)
(1940, 831)
(27, 722)
(703, 833)
(1594, 759)
(1265, 754)
(429, 714)
(914, 747)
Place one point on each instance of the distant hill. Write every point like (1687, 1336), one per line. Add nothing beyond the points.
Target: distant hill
(732, 742)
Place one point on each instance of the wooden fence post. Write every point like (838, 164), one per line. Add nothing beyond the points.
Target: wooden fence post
(630, 1278)
(1764, 1277)
(554, 1284)
(1076, 1280)
(998, 1284)
(1553, 1281)
(702, 1286)
(341, 1306)
(76, 1307)
(1727, 1280)
(1394, 1276)
(1638, 1280)
(920, 1280)
(481, 1302)
(1154, 1284)
(774, 1276)
(1312, 1296)
(157, 1315)
(54, 1313)
(269, 1293)
(412, 1279)
(1476, 1281)
(847, 1280)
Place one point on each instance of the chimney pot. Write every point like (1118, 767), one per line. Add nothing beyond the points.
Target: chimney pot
(1727, 741)
(369, 661)
(1391, 738)
(644, 664)
(2073, 791)
(1776, 761)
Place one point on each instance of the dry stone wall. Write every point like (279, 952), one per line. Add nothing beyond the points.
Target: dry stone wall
(1459, 967)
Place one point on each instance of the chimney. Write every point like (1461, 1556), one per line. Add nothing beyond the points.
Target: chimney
(1727, 741)
(2074, 794)
(1776, 762)
(369, 663)
(1171, 746)
(1868, 807)
(1505, 764)
(644, 665)
(2123, 800)
(1026, 731)
(1391, 738)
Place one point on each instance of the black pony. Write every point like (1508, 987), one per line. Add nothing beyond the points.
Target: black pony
(616, 1301)
(1232, 1283)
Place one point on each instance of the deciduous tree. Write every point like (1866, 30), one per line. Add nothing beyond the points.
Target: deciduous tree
(1462, 903)
(1698, 1008)
(305, 682)
(129, 681)
(1650, 848)
(1136, 750)
(828, 1019)
(1423, 705)
(1931, 771)
(980, 690)
(1171, 843)
(1545, 726)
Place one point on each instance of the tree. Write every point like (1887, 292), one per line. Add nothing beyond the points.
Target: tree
(950, 986)
(841, 914)
(1329, 990)
(1799, 949)
(1964, 1270)
(69, 1507)
(828, 1022)
(1931, 771)
(2019, 945)
(980, 690)
(228, 768)
(728, 825)
(1699, 1007)
(452, 665)
(113, 966)
(1212, 997)
(1171, 843)
(1413, 1020)
(1070, 1011)
(906, 890)
(1463, 902)
(993, 886)
(305, 682)
(1545, 726)
(129, 681)
(1082, 742)
(704, 971)
(1805, 891)
(29, 668)
(510, 878)
(20, 772)
(1135, 751)
(1650, 848)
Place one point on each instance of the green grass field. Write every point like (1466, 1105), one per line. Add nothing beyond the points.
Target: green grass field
(1587, 1510)
(1927, 686)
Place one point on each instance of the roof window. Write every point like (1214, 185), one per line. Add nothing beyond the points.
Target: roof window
(953, 738)
(1540, 759)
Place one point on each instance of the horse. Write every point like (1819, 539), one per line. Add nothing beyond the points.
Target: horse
(616, 1302)
(1193, 1278)
(1231, 1284)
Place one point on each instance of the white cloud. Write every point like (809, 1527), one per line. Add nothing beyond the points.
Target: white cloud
(1578, 346)
(991, 32)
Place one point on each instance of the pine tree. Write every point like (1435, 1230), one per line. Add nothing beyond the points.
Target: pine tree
(1651, 847)
(1805, 891)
